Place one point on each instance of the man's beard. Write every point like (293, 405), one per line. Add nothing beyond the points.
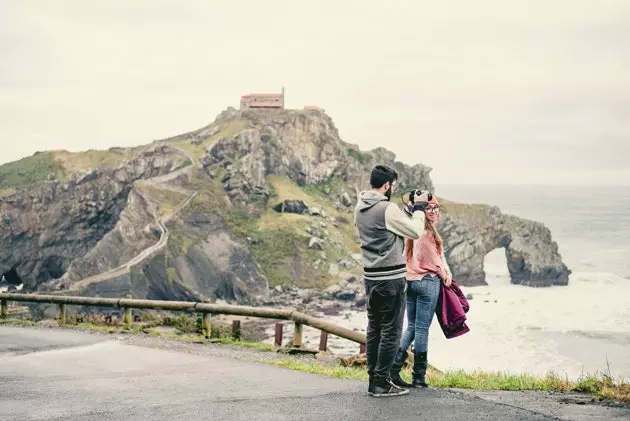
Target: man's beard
(388, 194)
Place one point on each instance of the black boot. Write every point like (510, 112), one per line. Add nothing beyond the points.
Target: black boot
(399, 361)
(420, 369)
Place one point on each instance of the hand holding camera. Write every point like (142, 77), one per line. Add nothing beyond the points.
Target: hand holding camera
(420, 199)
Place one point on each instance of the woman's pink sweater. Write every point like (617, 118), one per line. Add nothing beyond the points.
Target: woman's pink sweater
(426, 259)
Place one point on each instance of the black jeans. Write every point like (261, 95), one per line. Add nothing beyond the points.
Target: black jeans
(386, 309)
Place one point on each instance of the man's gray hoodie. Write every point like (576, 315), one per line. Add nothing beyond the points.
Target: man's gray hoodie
(381, 226)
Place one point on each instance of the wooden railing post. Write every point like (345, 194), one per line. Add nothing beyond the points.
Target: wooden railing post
(236, 330)
(4, 309)
(207, 325)
(297, 335)
(128, 316)
(61, 313)
(323, 341)
(278, 339)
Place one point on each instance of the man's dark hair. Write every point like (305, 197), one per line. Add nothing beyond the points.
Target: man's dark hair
(382, 174)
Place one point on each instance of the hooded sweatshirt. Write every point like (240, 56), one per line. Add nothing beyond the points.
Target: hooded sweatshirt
(381, 226)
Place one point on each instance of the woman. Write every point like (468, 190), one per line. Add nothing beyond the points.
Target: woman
(426, 268)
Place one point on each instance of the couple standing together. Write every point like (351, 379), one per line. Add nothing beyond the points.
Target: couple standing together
(403, 259)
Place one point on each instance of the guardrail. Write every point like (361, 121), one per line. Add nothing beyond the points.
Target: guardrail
(206, 309)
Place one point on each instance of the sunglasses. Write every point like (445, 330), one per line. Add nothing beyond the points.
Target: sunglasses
(433, 209)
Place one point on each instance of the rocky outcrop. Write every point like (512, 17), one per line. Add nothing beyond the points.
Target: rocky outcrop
(292, 206)
(214, 262)
(45, 228)
(306, 148)
(470, 232)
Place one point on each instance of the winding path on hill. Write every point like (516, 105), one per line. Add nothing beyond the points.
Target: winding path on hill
(160, 182)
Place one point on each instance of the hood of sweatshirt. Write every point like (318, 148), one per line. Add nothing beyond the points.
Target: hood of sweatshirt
(369, 198)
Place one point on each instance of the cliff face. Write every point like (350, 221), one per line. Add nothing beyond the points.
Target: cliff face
(254, 200)
(43, 229)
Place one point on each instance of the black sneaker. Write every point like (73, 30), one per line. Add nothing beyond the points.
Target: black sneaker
(388, 389)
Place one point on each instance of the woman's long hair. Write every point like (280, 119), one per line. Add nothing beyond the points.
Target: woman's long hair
(428, 226)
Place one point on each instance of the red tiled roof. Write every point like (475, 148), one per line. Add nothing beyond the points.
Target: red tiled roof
(262, 96)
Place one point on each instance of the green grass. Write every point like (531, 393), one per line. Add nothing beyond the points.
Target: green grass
(247, 344)
(167, 199)
(232, 128)
(188, 329)
(30, 170)
(17, 322)
(601, 386)
(324, 370)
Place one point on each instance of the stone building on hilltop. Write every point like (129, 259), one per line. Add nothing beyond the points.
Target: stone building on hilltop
(253, 101)
(269, 101)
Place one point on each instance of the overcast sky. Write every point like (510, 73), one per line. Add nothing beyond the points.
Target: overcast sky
(492, 91)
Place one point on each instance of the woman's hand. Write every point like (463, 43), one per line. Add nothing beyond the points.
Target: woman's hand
(447, 281)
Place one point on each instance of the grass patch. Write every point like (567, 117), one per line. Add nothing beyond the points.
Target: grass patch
(198, 150)
(167, 199)
(286, 189)
(188, 328)
(325, 370)
(17, 322)
(246, 344)
(601, 386)
(30, 170)
(94, 159)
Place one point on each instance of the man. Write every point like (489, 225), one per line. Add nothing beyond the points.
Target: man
(381, 226)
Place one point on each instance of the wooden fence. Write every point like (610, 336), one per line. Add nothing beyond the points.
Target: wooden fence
(205, 309)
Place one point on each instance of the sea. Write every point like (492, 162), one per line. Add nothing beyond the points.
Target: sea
(574, 330)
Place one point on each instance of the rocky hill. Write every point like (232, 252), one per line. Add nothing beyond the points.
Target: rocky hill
(255, 201)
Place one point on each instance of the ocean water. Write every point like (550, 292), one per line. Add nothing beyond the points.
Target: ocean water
(580, 328)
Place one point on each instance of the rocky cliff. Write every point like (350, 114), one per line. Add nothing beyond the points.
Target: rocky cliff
(470, 232)
(256, 199)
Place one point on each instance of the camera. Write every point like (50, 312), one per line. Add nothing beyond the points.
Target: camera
(414, 193)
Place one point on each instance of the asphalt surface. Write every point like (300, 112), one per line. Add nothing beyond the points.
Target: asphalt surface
(53, 375)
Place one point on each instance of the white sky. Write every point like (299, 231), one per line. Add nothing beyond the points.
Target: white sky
(494, 91)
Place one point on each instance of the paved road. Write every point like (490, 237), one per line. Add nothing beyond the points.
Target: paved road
(76, 376)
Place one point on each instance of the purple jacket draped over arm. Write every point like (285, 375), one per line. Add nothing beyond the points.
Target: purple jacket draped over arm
(451, 311)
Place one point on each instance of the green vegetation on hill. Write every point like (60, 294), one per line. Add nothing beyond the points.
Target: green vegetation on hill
(199, 147)
(60, 164)
(94, 158)
(281, 240)
(167, 199)
(32, 169)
